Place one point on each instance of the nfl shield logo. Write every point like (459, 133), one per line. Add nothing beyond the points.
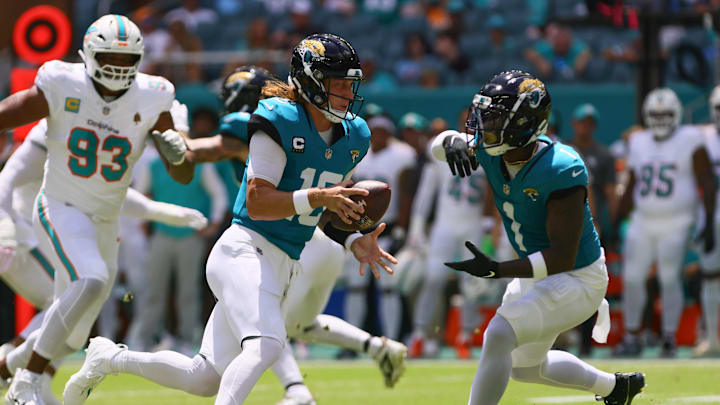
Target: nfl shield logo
(328, 154)
(106, 110)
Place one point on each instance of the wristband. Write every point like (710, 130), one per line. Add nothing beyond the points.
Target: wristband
(351, 238)
(537, 261)
(301, 202)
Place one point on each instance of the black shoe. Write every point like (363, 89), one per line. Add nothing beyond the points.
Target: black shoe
(626, 387)
(346, 354)
(669, 348)
(629, 347)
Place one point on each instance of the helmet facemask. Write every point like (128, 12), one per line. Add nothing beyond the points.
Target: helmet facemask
(662, 112)
(115, 77)
(661, 122)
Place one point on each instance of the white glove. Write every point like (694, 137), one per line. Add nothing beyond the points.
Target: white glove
(176, 215)
(8, 241)
(171, 145)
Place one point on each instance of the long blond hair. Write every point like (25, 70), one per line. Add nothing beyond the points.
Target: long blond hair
(277, 88)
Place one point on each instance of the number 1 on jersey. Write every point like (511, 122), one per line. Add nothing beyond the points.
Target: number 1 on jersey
(515, 226)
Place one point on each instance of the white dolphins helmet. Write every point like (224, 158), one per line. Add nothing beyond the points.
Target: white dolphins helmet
(715, 106)
(662, 112)
(112, 33)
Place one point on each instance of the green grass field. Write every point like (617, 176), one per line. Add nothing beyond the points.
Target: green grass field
(425, 383)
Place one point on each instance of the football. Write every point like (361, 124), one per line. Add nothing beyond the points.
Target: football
(376, 203)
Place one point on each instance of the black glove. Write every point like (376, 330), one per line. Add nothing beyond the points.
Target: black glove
(707, 236)
(460, 157)
(480, 266)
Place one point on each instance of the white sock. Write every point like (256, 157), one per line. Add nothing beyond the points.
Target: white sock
(245, 370)
(710, 306)
(286, 368)
(170, 369)
(493, 372)
(19, 357)
(562, 369)
(355, 306)
(334, 331)
(391, 314)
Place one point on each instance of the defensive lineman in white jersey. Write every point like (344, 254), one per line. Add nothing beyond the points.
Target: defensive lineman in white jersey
(29, 272)
(100, 115)
(667, 164)
(710, 261)
(465, 202)
(385, 161)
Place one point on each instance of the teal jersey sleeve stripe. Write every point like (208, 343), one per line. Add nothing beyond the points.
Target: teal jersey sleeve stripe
(47, 226)
(43, 262)
(122, 34)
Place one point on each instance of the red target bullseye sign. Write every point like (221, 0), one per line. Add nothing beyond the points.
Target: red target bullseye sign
(42, 33)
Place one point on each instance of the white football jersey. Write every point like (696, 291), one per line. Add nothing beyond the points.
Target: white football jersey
(386, 166)
(664, 180)
(459, 199)
(93, 144)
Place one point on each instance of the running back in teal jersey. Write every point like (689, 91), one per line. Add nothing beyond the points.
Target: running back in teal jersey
(311, 162)
(236, 125)
(522, 201)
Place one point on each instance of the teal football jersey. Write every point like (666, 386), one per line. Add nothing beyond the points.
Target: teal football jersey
(236, 125)
(311, 162)
(522, 201)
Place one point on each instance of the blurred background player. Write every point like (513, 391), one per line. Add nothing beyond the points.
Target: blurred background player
(463, 211)
(710, 261)
(87, 176)
(177, 253)
(668, 162)
(389, 161)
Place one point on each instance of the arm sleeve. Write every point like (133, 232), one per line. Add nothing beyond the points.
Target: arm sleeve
(24, 166)
(135, 204)
(267, 159)
(215, 188)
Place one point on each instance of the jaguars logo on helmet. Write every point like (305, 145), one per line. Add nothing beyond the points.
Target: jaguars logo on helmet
(241, 89)
(511, 111)
(326, 56)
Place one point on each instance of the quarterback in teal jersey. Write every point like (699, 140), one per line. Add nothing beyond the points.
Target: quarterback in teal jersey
(560, 279)
(302, 303)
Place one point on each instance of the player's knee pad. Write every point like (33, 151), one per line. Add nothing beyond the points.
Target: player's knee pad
(90, 289)
(204, 381)
(265, 350)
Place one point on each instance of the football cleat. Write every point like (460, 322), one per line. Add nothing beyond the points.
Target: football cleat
(627, 386)
(289, 399)
(391, 360)
(96, 366)
(25, 389)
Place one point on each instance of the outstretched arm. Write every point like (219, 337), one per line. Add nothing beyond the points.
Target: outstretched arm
(23, 107)
(139, 206)
(216, 148)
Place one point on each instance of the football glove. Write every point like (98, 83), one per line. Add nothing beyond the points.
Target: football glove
(460, 157)
(479, 266)
(171, 145)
